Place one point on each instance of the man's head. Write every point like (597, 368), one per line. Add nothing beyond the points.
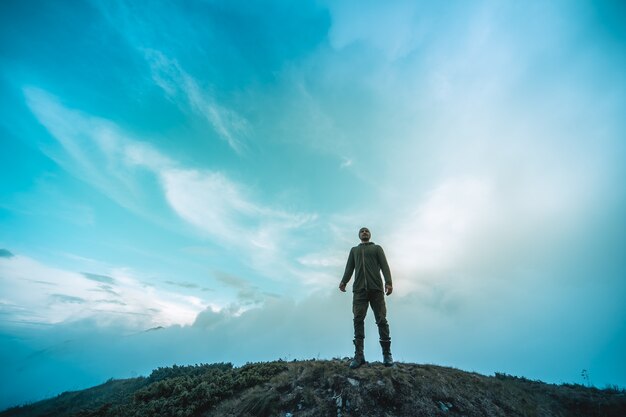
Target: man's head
(364, 234)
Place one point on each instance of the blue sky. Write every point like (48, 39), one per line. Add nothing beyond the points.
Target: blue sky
(201, 169)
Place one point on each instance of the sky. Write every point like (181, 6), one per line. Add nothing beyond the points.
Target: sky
(181, 183)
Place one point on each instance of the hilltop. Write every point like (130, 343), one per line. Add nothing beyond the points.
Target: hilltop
(327, 388)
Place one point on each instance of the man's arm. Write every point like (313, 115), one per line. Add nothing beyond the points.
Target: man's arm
(347, 274)
(384, 266)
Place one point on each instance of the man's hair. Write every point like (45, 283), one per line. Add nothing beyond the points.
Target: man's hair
(363, 228)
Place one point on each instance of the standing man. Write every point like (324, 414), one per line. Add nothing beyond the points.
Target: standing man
(367, 260)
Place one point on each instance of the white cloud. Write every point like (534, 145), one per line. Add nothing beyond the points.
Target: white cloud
(168, 74)
(36, 293)
(210, 201)
(91, 148)
(101, 154)
(323, 260)
(220, 208)
(142, 154)
(433, 236)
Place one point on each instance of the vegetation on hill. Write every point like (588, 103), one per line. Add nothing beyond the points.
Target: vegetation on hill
(327, 388)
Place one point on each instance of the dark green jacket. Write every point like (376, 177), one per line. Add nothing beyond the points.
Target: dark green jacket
(367, 260)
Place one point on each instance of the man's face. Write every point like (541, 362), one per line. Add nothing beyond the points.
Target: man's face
(364, 234)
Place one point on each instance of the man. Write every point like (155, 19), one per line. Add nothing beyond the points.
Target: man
(367, 260)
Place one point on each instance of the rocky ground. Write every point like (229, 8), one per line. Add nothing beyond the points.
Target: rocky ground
(328, 388)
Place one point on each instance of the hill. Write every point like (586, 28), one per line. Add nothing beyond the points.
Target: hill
(327, 388)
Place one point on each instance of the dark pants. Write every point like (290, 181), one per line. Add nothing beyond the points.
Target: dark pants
(360, 301)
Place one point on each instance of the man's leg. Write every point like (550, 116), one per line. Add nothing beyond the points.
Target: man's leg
(359, 310)
(377, 301)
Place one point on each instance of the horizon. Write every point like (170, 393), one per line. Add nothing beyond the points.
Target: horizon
(204, 168)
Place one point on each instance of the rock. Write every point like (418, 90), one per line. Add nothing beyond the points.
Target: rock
(353, 382)
(445, 407)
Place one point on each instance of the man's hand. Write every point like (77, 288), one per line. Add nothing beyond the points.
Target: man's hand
(388, 289)
(342, 286)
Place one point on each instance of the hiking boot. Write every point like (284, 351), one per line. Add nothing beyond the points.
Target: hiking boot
(387, 358)
(359, 357)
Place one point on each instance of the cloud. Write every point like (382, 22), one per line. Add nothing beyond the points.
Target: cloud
(210, 201)
(392, 28)
(99, 278)
(106, 288)
(438, 232)
(232, 280)
(92, 149)
(323, 260)
(220, 207)
(175, 82)
(346, 162)
(62, 298)
(319, 326)
(178, 31)
(183, 284)
(188, 285)
(98, 152)
(222, 210)
(35, 292)
(247, 294)
(118, 302)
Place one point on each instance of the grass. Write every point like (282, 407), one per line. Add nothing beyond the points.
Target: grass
(328, 388)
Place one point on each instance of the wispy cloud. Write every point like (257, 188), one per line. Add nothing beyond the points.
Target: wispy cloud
(91, 148)
(101, 154)
(324, 260)
(176, 83)
(219, 206)
(63, 298)
(99, 278)
(188, 285)
(248, 295)
(182, 88)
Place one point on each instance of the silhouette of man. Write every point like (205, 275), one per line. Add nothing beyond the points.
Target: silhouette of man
(366, 261)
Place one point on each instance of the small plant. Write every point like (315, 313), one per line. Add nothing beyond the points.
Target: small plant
(615, 389)
(585, 375)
